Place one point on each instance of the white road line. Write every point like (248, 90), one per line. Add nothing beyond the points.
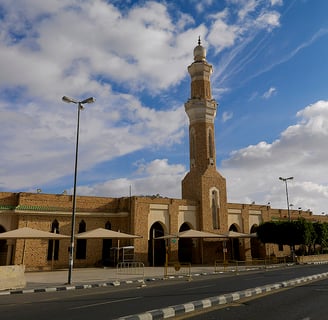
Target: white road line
(201, 287)
(101, 303)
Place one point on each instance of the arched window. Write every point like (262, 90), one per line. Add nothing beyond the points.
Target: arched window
(210, 145)
(192, 148)
(81, 244)
(215, 209)
(53, 245)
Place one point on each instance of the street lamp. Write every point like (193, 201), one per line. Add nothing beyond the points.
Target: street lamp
(285, 180)
(79, 108)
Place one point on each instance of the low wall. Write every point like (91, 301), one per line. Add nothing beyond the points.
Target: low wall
(312, 258)
(12, 277)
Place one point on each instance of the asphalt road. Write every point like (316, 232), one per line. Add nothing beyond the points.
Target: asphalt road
(306, 302)
(114, 302)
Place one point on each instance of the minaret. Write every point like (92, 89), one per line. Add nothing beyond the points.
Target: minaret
(203, 183)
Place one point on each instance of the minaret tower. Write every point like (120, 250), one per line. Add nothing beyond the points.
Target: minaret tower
(203, 182)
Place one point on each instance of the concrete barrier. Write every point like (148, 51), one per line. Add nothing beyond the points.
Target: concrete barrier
(12, 277)
(320, 258)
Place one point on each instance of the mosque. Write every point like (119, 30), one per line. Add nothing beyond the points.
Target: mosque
(203, 207)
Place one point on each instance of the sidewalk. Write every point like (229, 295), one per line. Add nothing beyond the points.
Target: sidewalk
(83, 278)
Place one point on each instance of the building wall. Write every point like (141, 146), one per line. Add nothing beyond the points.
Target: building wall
(133, 215)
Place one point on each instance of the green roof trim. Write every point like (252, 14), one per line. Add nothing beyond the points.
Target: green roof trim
(2, 207)
(40, 208)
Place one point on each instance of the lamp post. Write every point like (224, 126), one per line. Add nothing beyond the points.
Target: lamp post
(79, 108)
(285, 180)
(288, 210)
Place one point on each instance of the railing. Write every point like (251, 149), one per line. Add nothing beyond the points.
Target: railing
(132, 268)
(177, 269)
(236, 266)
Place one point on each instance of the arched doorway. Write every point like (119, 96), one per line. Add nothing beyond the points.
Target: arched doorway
(257, 248)
(185, 246)
(3, 248)
(53, 245)
(235, 252)
(107, 244)
(81, 244)
(156, 248)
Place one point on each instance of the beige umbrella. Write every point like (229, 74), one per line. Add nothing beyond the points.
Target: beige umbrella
(102, 233)
(198, 234)
(191, 233)
(234, 234)
(29, 233)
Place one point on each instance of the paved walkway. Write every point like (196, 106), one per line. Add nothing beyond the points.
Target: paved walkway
(82, 278)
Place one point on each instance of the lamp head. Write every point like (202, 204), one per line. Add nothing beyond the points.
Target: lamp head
(68, 100)
(88, 100)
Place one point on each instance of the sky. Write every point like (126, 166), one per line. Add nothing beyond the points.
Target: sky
(269, 78)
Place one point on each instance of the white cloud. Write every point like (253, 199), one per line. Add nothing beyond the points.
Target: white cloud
(227, 116)
(248, 7)
(155, 177)
(38, 141)
(276, 2)
(269, 93)
(301, 151)
(222, 35)
(268, 20)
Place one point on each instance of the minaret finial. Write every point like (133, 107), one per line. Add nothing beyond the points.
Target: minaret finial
(199, 43)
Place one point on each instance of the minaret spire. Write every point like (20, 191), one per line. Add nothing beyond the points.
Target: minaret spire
(203, 182)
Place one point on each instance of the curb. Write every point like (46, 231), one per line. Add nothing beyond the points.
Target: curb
(178, 310)
(114, 283)
(69, 287)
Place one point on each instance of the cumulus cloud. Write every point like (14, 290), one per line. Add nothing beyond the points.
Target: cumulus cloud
(152, 178)
(252, 172)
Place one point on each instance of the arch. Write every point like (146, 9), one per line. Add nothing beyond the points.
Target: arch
(156, 247)
(257, 248)
(234, 244)
(81, 244)
(215, 206)
(107, 245)
(210, 144)
(53, 245)
(185, 245)
(192, 147)
(3, 248)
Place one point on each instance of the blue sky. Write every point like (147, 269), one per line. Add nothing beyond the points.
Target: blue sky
(270, 81)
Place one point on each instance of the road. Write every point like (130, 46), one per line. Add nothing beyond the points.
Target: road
(114, 302)
(306, 302)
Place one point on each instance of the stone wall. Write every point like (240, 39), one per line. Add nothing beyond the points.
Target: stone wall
(12, 277)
